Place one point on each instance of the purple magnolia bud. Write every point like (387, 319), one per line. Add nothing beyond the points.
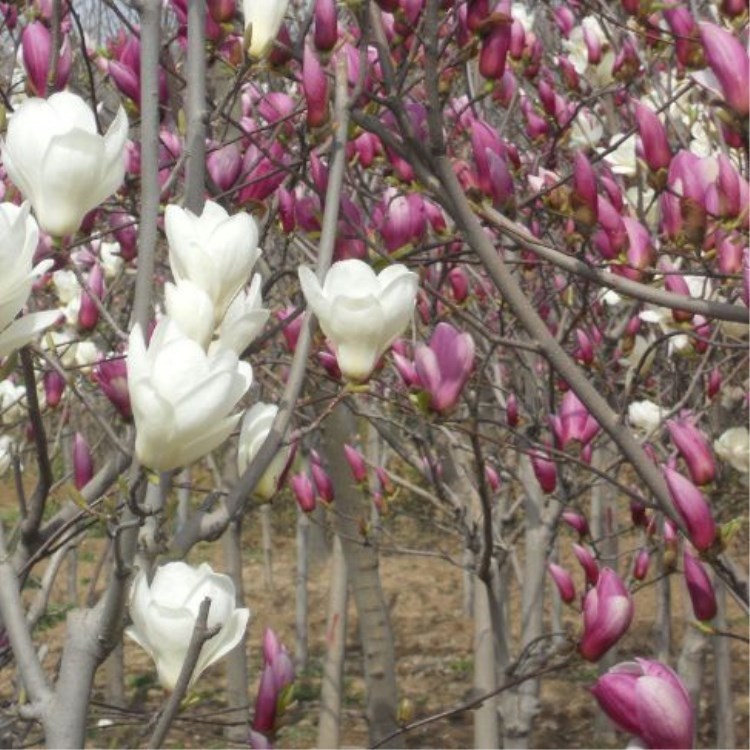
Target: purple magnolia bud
(638, 514)
(576, 522)
(574, 423)
(699, 587)
(264, 717)
(325, 32)
(585, 197)
(563, 581)
(283, 670)
(323, 483)
(83, 465)
(444, 366)
(714, 382)
(112, 377)
(588, 563)
(271, 646)
(492, 477)
(314, 88)
(656, 151)
(222, 11)
(545, 470)
(693, 509)
(54, 387)
(356, 463)
(647, 699)
(386, 485)
(224, 165)
(694, 448)
(640, 564)
(125, 230)
(495, 45)
(304, 491)
(585, 350)
(88, 312)
(728, 60)
(36, 51)
(406, 370)
(607, 614)
(511, 410)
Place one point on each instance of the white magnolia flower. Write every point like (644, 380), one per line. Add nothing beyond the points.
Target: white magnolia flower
(215, 251)
(256, 424)
(6, 453)
(734, 447)
(165, 612)
(57, 159)
(12, 397)
(599, 74)
(243, 320)
(191, 309)
(18, 239)
(585, 131)
(361, 313)
(111, 260)
(265, 18)
(622, 160)
(645, 415)
(181, 397)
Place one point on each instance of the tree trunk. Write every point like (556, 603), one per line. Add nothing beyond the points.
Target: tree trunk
(332, 687)
(723, 694)
(267, 544)
(300, 610)
(362, 564)
(485, 675)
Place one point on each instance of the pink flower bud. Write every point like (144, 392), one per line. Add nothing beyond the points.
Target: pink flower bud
(112, 377)
(682, 24)
(640, 564)
(304, 491)
(88, 312)
(54, 387)
(330, 364)
(607, 614)
(656, 151)
(699, 587)
(647, 699)
(574, 424)
(588, 563)
(325, 31)
(83, 465)
(563, 581)
(36, 51)
(638, 514)
(693, 509)
(494, 50)
(714, 382)
(576, 521)
(125, 231)
(314, 88)
(323, 483)
(694, 449)
(222, 11)
(511, 410)
(386, 485)
(356, 463)
(264, 717)
(545, 470)
(585, 350)
(492, 477)
(728, 60)
(444, 366)
(585, 198)
(729, 255)
(224, 165)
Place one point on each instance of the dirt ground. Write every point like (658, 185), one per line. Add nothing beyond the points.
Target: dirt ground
(433, 649)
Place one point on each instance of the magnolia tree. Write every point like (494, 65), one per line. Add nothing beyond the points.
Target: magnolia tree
(484, 260)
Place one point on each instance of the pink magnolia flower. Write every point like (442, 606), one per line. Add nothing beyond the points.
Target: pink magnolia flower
(563, 581)
(694, 448)
(647, 699)
(573, 423)
(112, 377)
(699, 588)
(728, 60)
(607, 614)
(693, 509)
(444, 366)
(224, 164)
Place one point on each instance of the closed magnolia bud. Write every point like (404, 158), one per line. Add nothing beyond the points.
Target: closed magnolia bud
(88, 312)
(576, 522)
(563, 581)
(325, 32)
(699, 587)
(83, 465)
(323, 483)
(304, 491)
(692, 508)
(545, 470)
(54, 387)
(224, 165)
(588, 563)
(695, 450)
(656, 151)
(315, 88)
(728, 59)
(511, 410)
(640, 564)
(356, 463)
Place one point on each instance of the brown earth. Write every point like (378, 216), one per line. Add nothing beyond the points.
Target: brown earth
(433, 648)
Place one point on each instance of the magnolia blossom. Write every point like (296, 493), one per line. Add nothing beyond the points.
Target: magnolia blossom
(256, 424)
(18, 239)
(181, 397)
(243, 320)
(645, 415)
(57, 159)
(263, 19)
(214, 251)
(647, 699)
(164, 615)
(734, 447)
(361, 313)
(607, 613)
